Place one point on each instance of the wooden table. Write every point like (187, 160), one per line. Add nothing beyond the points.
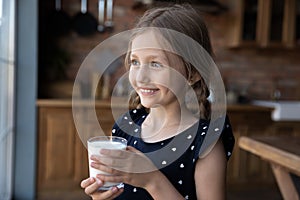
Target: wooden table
(283, 154)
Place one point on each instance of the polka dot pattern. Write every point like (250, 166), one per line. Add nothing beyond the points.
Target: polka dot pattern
(179, 172)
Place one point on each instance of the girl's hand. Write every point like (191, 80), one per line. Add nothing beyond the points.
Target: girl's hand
(91, 185)
(134, 168)
(130, 166)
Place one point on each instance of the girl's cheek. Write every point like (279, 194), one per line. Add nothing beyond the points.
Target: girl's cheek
(132, 78)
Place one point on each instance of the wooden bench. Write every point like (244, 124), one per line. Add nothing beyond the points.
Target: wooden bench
(283, 154)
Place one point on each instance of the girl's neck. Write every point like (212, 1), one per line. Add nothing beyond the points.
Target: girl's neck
(163, 123)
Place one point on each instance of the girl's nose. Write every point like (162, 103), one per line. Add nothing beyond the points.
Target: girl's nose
(143, 74)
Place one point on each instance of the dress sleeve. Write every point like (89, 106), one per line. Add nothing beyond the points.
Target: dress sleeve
(227, 138)
(205, 142)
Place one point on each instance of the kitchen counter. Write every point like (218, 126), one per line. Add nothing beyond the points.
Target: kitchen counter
(107, 103)
(283, 110)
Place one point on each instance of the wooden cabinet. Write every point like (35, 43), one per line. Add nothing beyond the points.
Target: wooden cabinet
(62, 159)
(264, 23)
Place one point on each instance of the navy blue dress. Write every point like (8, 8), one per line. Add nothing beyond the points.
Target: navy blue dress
(175, 157)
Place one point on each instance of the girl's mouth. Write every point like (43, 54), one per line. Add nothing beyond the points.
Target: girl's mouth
(148, 91)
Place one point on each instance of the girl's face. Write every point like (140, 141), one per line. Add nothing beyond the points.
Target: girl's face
(157, 78)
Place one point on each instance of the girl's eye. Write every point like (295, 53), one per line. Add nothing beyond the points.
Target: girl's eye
(156, 64)
(134, 63)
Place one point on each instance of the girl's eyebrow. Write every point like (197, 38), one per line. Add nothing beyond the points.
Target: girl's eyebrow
(151, 57)
(133, 55)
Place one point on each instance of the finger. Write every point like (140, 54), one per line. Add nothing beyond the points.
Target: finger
(111, 178)
(113, 153)
(108, 195)
(87, 182)
(110, 162)
(109, 159)
(104, 168)
(132, 149)
(95, 158)
(89, 190)
(119, 191)
(113, 162)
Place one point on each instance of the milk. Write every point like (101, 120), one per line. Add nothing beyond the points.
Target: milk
(94, 147)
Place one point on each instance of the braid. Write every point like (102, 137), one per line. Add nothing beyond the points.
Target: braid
(134, 100)
(202, 93)
(201, 90)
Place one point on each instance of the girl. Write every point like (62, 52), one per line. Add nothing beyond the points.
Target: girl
(165, 136)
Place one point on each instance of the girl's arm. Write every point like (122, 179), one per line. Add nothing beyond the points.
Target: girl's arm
(161, 188)
(210, 174)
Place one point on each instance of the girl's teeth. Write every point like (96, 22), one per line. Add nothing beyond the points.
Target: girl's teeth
(147, 91)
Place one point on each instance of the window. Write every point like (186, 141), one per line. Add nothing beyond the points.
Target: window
(7, 65)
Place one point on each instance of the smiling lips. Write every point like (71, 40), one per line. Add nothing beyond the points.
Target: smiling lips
(148, 91)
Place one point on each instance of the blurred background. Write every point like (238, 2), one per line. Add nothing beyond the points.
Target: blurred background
(43, 44)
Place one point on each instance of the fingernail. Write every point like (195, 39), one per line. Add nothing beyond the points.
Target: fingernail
(91, 179)
(93, 164)
(93, 157)
(114, 189)
(98, 176)
(99, 182)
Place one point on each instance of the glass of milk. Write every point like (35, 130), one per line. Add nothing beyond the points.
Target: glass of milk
(95, 144)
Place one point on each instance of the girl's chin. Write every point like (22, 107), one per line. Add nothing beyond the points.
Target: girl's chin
(150, 105)
(146, 105)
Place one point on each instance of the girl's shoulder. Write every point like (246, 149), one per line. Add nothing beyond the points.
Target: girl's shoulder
(227, 137)
(210, 131)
